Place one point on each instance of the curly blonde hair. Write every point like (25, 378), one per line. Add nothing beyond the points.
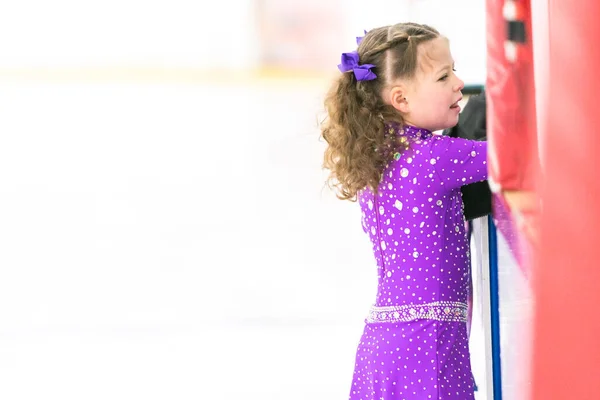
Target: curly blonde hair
(358, 148)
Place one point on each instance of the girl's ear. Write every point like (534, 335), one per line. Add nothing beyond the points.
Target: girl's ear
(397, 99)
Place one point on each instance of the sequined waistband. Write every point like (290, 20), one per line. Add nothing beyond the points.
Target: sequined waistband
(451, 311)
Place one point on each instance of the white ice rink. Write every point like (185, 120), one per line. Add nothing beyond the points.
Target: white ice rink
(173, 242)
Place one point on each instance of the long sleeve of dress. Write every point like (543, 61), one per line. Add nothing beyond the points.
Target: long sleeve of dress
(458, 161)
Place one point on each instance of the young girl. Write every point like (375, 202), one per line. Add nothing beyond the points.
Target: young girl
(394, 91)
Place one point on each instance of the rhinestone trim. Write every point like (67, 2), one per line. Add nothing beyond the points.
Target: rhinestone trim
(451, 311)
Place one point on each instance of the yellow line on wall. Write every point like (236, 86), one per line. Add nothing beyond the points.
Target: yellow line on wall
(151, 75)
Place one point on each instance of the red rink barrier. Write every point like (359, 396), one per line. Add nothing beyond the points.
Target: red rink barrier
(566, 347)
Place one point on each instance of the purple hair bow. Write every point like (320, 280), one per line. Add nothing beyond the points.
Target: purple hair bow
(350, 63)
(360, 38)
(361, 72)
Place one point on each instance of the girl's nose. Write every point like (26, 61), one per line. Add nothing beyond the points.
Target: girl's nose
(460, 85)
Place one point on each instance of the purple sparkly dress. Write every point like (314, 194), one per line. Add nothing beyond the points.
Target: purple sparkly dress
(415, 342)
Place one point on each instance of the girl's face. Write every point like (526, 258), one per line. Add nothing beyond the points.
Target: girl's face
(433, 94)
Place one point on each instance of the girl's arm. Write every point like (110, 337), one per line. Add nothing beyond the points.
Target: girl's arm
(458, 161)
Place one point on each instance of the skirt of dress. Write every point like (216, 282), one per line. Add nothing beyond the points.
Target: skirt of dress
(417, 360)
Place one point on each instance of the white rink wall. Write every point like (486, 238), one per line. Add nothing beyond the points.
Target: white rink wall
(185, 34)
(128, 33)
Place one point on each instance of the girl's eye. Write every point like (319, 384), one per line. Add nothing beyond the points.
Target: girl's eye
(454, 69)
(443, 78)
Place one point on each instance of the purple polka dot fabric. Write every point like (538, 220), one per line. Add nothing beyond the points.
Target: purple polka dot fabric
(415, 341)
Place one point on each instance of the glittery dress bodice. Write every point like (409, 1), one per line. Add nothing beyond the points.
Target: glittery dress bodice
(416, 223)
